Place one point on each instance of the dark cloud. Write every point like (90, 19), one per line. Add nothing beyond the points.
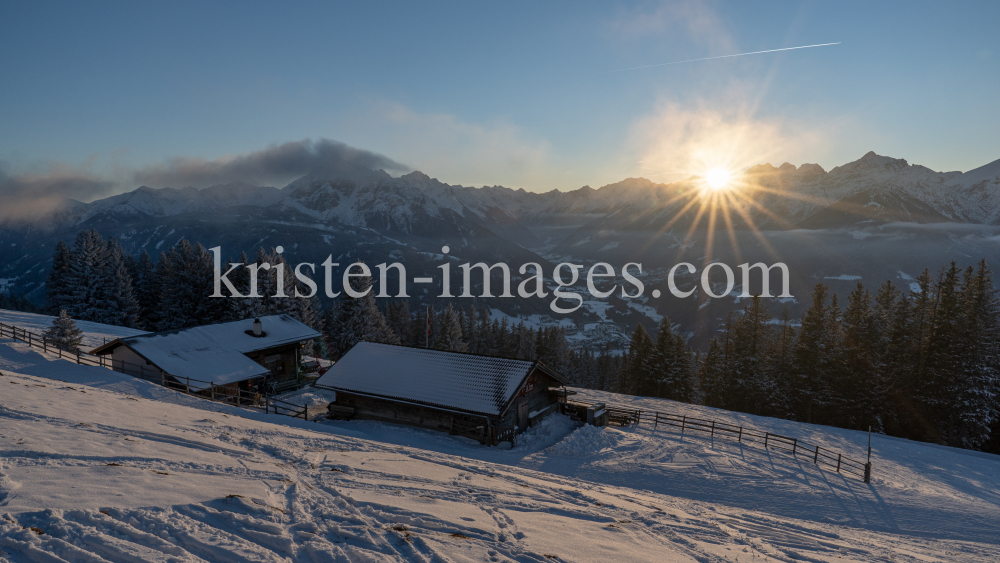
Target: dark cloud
(32, 198)
(276, 164)
(29, 198)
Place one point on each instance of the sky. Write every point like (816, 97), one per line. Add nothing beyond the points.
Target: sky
(100, 97)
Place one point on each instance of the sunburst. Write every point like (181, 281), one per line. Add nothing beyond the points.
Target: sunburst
(718, 179)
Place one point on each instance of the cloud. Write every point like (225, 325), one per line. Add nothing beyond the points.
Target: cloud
(674, 142)
(692, 19)
(30, 197)
(277, 164)
(460, 152)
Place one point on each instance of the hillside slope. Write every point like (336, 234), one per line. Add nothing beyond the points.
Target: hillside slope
(92, 474)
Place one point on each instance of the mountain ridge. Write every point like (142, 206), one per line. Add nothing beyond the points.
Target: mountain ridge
(774, 197)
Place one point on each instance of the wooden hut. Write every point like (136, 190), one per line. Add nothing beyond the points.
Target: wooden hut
(485, 398)
(262, 353)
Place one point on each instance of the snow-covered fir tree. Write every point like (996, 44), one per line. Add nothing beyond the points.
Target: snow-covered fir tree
(448, 335)
(57, 284)
(358, 319)
(64, 333)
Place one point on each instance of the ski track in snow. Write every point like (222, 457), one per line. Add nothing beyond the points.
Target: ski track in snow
(92, 469)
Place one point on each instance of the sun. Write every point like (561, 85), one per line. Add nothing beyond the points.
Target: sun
(718, 179)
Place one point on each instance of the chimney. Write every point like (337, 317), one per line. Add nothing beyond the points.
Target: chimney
(257, 328)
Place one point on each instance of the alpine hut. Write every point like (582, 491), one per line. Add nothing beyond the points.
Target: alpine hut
(259, 354)
(486, 398)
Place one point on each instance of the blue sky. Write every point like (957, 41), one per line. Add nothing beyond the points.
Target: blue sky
(519, 94)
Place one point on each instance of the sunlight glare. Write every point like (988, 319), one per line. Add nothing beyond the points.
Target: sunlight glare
(717, 178)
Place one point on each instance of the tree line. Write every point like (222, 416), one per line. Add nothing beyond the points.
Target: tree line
(920, 365)
(95, 280)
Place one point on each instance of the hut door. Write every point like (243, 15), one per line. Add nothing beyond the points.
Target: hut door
(522, 415)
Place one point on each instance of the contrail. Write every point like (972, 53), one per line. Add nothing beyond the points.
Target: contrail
(727, 56)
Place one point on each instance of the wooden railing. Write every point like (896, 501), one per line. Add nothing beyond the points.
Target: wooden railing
(820, 456)
(208, 390)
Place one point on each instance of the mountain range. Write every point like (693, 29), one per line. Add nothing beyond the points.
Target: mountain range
(872, 219)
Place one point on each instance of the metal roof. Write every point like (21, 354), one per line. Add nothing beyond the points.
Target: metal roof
(468, 382)
(214, 353)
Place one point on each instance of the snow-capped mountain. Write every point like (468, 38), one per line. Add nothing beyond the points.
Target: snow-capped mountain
(874, 187)
(873, 219)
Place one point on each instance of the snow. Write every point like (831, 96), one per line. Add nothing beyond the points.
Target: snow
(316, 399)
(95, 334)
(842, 277)
(105, 473)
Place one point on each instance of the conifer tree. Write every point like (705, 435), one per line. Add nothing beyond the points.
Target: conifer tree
(811, 394)
(749, 383)
(117, 302)
(524, 342)
(449, 334)
(64, 333)
(359, 319)
(397, 314)
(57, 288)
(85, 280)
(146, 290)
(711, 374)
(859, 392)
(671, 364)
(639, 376)
(974, 391)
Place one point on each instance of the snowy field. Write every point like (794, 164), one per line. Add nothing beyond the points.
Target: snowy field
(94, 334)
(100, 466)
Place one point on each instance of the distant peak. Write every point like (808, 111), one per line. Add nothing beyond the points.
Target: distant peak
(811, 169)
(765, 168)
(416, 176)
(872, 161)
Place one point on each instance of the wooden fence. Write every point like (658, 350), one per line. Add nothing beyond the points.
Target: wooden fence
(222, 393)
(820, 456)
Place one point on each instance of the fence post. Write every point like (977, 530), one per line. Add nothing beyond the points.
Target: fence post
(78, 356)
(305, 412)
(838, 462)
(656, 421)
(795, 445)
(713, 429)
(868, 463)
(187, 386)
(766, 436)
(29, 339)
(740, 438)
(816, 457)
(683, 422)
(212, 387)
(45, 344)
(60, 351)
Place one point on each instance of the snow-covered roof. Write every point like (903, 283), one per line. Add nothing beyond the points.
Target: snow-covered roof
(214, 353)
(467, 382)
